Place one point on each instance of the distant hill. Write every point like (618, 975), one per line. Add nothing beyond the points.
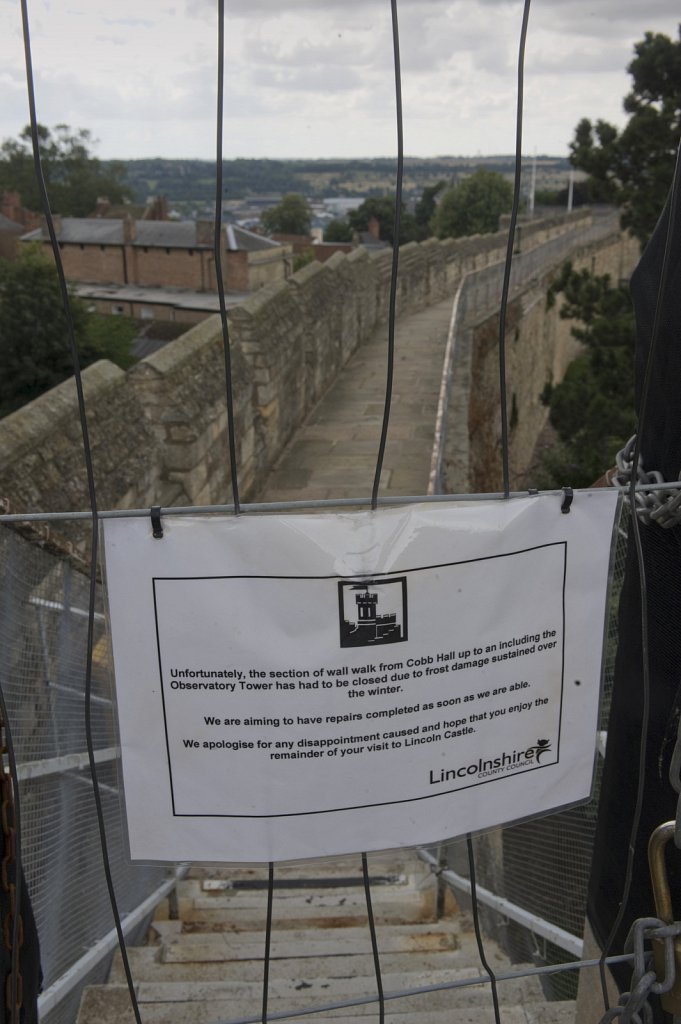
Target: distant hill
(192, 182)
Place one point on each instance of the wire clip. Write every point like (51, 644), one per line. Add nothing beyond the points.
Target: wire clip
(156, 522)
(568, 495)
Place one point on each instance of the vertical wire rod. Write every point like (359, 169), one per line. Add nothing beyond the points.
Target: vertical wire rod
(645, 650)
(503, 309)
(396, 256)
(478, 933)
(268, 942)
(87, 455)
(18, 871)
(217, 247)
(374, 941)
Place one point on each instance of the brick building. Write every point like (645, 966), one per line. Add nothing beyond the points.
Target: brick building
(10, 233)
(168, 255)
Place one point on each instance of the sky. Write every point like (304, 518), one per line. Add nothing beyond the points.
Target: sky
(315, 78)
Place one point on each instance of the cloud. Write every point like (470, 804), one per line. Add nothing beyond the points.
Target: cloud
(315, 77)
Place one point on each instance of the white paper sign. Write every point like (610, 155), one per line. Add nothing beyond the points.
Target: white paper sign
(304, 685)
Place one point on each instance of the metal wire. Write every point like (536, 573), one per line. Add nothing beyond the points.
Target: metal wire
(218, 257)
(396, 256)
(374, 943)
(504, 425)
(509, 251)
(476, 925)
(287, 506)
(268, 941)
(443, 986)
(18, 872)
(635, 525)
(87, 454)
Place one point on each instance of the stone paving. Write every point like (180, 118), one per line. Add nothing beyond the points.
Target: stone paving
(206, 965)
(333, 454)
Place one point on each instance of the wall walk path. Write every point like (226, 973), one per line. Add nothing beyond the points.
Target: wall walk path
(333, 454)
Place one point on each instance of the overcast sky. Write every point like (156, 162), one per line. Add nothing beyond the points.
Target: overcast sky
(314, 78)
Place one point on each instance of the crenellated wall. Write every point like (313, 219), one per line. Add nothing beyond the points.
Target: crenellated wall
(158, 432)
(539, 347)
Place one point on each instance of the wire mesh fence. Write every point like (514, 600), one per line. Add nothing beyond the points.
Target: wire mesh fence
(43, 624)
(542, 866)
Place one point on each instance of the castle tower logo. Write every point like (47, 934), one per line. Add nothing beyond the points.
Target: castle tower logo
(372, 612)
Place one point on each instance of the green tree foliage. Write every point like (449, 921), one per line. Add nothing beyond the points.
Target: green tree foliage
(382, 208)
(473, 207)
(634, 167)
(303, 259)
(338, 230)
(592, 409)
(74, 178)
(426, 206)
(582, 195)
(292, 216)
(34, 342)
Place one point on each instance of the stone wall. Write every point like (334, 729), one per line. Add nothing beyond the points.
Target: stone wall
(539, 348)
(158, 432)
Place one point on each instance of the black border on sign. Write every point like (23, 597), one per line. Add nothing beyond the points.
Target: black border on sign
(396, 572)
(370, 581)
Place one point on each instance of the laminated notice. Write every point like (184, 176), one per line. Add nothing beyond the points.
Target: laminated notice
(305, 685)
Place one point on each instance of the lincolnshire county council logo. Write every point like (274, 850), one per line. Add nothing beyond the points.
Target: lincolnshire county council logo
(372, 612)
(542, 747)
(503, 764)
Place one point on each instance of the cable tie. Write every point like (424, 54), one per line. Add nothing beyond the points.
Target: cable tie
(156, 524)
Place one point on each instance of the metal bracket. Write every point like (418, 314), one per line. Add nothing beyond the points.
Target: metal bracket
(156, 525)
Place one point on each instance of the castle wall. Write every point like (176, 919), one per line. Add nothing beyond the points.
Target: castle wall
(158, 432)
(539, 348)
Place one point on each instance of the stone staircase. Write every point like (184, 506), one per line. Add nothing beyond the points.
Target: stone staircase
(205, 965)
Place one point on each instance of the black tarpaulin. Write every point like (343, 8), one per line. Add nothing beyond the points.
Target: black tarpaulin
(660, 427)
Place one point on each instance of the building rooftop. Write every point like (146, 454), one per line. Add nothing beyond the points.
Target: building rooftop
(240, 240)
(181, 234)
(179, 298)
(7, 224)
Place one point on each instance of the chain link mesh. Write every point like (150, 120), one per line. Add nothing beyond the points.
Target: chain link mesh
(543, 865)
(43, 626)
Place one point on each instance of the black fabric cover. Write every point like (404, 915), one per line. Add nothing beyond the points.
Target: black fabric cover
(661, 449)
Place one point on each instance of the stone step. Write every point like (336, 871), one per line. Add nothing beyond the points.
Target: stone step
(305, 917)
(380, 865)
(212, 893)
(148, 964)
(202, 904)
(310, 942)
(288, 992)
(242, 999)
(298, 902)
(111, 1005)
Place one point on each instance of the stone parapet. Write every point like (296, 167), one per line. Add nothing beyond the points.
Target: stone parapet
(158, 432)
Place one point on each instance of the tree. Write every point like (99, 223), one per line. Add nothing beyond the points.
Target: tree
(634, 167)
(382, 209)
(34, 342)
(592, 409)
(74, 178)
(473, 207)
(425, 208)
(292, 216)
(338, 231)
